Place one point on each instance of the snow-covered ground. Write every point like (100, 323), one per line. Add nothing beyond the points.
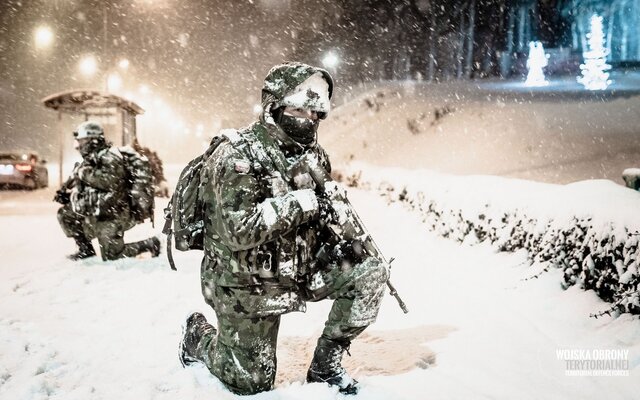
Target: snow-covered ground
(93, 330)
(475, 329)
(557, 134)
(606, 204)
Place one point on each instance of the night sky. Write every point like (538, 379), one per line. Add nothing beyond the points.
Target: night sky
(198, 65)
(205, 60)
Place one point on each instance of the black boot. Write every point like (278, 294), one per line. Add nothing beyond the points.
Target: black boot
(85, 249)
(152, 245)
(326, 366)
(194, 329)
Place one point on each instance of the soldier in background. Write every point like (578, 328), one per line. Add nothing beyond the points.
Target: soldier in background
(159, 180)
(263, 229)
(96, 201)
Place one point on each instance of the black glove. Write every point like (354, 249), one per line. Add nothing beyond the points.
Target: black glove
(62, 196)
(326, 213)
(348, 250)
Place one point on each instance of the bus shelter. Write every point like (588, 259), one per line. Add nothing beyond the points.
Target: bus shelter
(116, 114)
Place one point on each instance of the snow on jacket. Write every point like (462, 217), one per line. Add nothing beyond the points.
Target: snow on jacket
(100, 189)
(260, 230)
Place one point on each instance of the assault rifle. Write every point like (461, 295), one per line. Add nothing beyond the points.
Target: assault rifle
(62, 195)
(346, 225)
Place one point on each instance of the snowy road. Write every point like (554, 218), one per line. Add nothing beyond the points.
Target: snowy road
(90, 330)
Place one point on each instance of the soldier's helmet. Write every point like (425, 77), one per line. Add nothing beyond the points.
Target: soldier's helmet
(88, 129)
(286, 85)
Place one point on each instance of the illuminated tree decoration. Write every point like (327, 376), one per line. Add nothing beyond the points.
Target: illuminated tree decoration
(536, 61)
(595, 70)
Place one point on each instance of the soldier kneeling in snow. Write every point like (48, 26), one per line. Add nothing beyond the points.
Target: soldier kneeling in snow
(262, 231)
(96, 200)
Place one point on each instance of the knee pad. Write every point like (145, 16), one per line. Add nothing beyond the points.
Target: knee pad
(374, 271)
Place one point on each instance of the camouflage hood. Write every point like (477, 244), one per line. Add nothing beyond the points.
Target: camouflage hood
(283, 79)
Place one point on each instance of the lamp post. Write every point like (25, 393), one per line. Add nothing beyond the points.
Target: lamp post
(88, 65)
(330, 60)
(123, 64)
(43, 37)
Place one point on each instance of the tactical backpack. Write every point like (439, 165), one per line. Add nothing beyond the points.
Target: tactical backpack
(184, 215)
(139, 179)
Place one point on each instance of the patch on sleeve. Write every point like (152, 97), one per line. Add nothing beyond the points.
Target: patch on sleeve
(242, 167)
(269, 215)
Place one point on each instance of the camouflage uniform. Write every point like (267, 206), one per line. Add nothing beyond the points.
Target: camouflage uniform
(99, 206)
(261, 235)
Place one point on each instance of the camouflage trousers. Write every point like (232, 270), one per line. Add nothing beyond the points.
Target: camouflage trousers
(243, 354)
(110, 233)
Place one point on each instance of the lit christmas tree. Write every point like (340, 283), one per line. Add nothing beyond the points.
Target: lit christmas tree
(595, 70)
(536, 61)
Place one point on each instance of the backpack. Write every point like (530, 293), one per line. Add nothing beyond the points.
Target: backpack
(184, 215)
(139, 179)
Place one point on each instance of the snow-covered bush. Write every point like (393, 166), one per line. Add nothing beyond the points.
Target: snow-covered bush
(600, 255)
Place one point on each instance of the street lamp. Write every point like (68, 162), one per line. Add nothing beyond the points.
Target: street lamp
(330, 60)
(123, 64)
(43, 37)
(88, 65)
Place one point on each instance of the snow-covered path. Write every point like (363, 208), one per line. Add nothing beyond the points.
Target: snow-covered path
(102, 331)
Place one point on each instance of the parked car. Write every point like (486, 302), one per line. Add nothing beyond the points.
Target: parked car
(23, 169)
(631, 177)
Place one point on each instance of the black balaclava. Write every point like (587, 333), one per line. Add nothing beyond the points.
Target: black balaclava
(90, 146)
(302, 130)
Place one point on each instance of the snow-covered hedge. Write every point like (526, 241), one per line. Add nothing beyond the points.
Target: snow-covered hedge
(588, 229)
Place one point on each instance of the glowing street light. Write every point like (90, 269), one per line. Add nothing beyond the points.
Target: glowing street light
(330, 60)
(123, 64)
(43, 37)
(88, 65)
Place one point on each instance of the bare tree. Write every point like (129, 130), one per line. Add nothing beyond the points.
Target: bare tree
(470, 38)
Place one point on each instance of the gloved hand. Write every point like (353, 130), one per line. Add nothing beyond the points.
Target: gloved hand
(85, 202)
(326, 213)
(62, 196)
(349, 250)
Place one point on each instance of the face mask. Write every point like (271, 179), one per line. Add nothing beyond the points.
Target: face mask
(88, 147)
(302, 130)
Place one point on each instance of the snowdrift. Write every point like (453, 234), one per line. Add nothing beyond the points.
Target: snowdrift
(555, 136)
(588, 229)
(94, 330)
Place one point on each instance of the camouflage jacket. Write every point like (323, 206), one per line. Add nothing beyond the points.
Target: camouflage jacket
(100, 186)
(260, 231)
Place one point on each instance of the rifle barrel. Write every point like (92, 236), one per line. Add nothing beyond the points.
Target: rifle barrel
(321, 176)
